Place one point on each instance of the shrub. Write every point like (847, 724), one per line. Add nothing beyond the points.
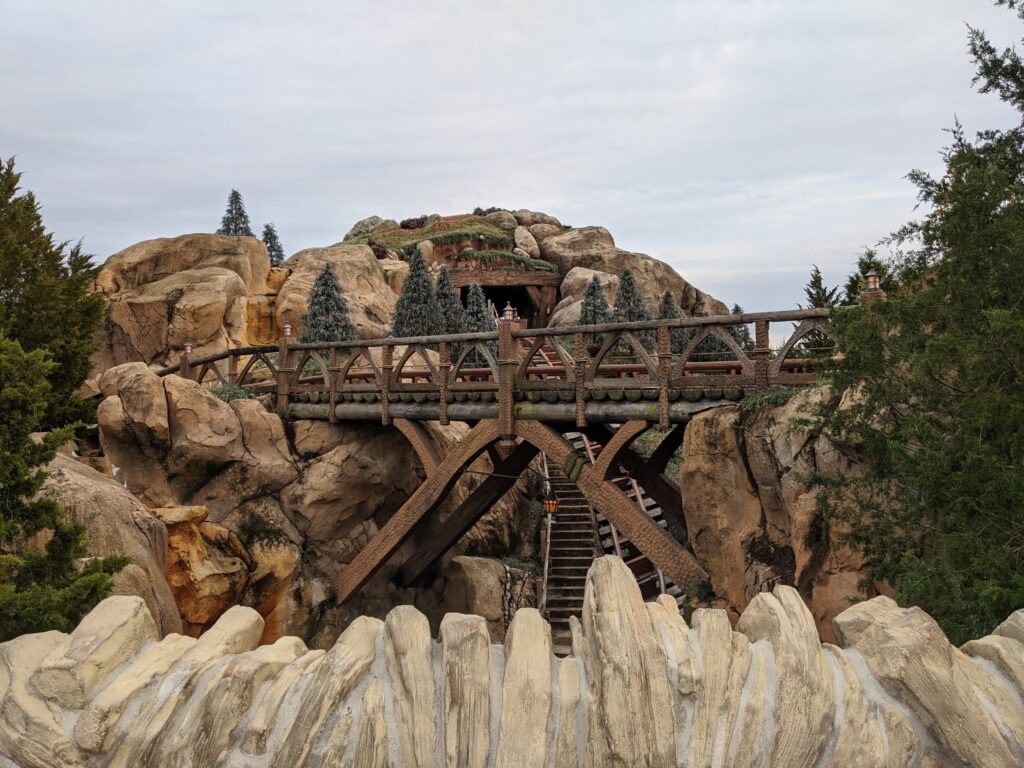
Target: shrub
(509, 259)
(417, 222)
(229, 392)
(379, 249)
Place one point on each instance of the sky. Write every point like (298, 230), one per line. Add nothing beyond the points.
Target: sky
(741, 142)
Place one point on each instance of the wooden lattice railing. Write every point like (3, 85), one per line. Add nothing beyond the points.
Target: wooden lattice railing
(613, 362)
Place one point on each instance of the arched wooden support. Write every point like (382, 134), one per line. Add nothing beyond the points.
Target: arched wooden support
(667, 448)
(607, 465)
(506, 472)
(648, 473)
(667, 554)
(425, 499)
(421, 442)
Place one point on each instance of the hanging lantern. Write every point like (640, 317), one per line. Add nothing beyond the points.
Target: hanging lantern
(551, 503)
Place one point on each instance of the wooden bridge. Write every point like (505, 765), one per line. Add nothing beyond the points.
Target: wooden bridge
(520, 389)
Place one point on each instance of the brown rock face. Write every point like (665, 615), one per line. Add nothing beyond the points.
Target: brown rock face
(594, 248)
(370, 299)
(752, 514)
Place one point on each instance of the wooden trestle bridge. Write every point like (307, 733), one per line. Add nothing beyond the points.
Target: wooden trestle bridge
(523, 390)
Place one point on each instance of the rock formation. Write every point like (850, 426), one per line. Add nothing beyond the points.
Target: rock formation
(641, 688)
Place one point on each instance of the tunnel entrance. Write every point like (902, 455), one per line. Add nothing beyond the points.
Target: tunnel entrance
(499, 295)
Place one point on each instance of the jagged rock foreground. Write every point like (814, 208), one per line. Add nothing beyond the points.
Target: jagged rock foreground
(641, 689)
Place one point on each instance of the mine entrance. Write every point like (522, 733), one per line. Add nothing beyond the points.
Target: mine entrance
(516, 295)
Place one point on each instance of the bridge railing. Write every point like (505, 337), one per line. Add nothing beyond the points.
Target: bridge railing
(660, 361)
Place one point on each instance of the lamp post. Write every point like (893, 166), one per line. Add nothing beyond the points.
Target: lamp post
(873, 291)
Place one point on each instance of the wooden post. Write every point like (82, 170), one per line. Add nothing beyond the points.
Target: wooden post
(386, 366)
(233, 369)
(184, 364)
(444, 368)
(333, 369)
(761, 351)
(284, 369)
(582, 360)
(507, 364)
(664, 374)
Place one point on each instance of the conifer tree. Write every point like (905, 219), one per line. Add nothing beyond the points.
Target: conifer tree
(235, 221)
(38, 591)
(594, 311)
(669, 310)
(46, 299)
(856, 282)
(816, 343)
(477, 319)
(630, 308)
(448, 304)
(417, 313)
(328, 316)
(741, 332)
(273, 243)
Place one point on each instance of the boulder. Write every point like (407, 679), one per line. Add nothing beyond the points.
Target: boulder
(525, 241)
(487, 588)
(574, 286)
(594, 248)
(542, 232)
(362, 278)
(395, 272)
(116, 523)
(503, 219)
(366, 226)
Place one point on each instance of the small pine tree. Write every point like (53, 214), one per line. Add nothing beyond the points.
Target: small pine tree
(741, 332)
(38, 591)
(816, 343)
(235, 221)
(630, 308)
(328, 317)
(669, 310)
(448, 304)
(273, 243)
(477, 319)
(857, 280)
(417, 312)
(594, 311)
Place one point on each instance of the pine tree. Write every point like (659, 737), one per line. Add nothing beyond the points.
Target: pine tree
(478, 319)
(816, 343)
(273, 243)
(328, 317)
(235, 221)
(448, 304)
(417, 312)
(857, 281)
(46, 299)
(630, 307)
(669, 310)
(38, 591)
(594, 311)
(741, 332)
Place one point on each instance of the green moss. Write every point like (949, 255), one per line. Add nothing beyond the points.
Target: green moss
(511, 260)
(443, 231)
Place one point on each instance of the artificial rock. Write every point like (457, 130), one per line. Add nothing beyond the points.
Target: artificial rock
(641, 688)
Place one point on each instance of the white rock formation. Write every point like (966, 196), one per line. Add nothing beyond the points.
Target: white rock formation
(642, 689)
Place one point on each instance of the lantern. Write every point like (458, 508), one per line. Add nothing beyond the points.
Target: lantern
(872, 278)
(287, 330)
(188, 347)
(551, 503)
(509, 312)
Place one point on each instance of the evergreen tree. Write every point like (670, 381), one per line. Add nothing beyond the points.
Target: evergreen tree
(46, 299)
(594, 311)
(235, 221)
(478, 319)
(328, 317)
(857, 281)
(448, 305)
(273, 243)
(741, 332)
(417, 312)
(669, 310)
(38, 591)
(819, 296)
(938, 369)
(630, 308)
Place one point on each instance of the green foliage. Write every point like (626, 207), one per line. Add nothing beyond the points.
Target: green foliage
(477, 319)
(229, 392)
(856, 282)
(273, 243)
(816, 343)
(478, 211)
(939, 373)
(448, 305)
(442, 231)
(630, 307)
(46, 299)
(768, 398)
(594, 311)
(327, 317)
(235, 221)
(507, 259)
(416, 222)
(417, 312)
(741, 332)
(38, 590)
(669, 310)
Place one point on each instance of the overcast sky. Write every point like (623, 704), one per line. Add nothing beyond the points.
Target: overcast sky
(739, 141)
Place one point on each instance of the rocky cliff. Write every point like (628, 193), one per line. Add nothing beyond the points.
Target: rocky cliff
(641, 688)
